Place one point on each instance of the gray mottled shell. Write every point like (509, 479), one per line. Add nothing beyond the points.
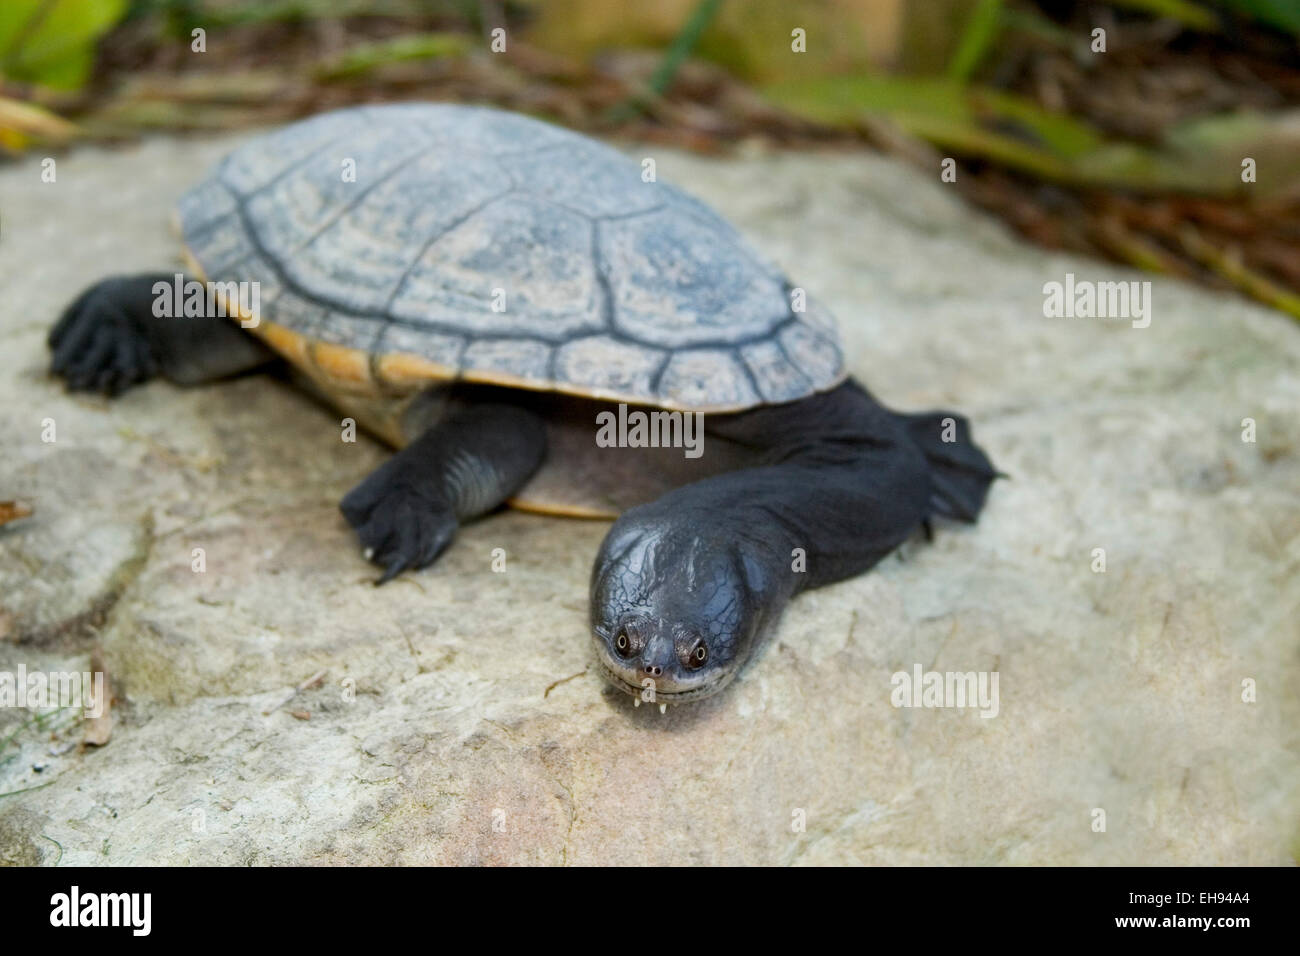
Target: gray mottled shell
(502, 248)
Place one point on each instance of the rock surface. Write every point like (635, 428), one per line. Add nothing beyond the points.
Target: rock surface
(458, 720)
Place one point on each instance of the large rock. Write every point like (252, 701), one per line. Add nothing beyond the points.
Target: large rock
(458, 719)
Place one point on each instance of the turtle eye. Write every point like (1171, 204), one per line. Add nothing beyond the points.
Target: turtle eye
(622, 644)
(698, 654)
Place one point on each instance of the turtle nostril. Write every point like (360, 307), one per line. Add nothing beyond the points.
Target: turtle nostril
(652, 670)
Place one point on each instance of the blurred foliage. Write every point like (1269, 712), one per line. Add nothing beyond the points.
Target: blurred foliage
(1142, 145)
(750, 38)
(22, 124)
(1282, 14)
(52, 42)
(1200, 156)
(1183, 11)
(681, 47)
(977, 38)
(367, 57)
(962, 116)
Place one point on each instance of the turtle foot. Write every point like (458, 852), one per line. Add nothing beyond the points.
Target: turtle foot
(399, 528)
(98, 346)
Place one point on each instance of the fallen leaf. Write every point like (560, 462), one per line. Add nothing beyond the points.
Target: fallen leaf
(100, 729)
(13, 510)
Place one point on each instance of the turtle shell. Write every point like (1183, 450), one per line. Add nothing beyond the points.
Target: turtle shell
(398, 245)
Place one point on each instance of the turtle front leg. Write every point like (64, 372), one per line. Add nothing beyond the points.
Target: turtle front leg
(407, 511)
(109, 339)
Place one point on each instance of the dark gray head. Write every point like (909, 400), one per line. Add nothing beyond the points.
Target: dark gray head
(674, 607)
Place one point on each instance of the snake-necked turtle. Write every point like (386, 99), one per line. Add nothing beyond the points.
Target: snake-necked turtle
(482, 292)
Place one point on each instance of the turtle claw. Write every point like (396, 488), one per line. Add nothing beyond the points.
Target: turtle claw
(399, 528)
(393, 570)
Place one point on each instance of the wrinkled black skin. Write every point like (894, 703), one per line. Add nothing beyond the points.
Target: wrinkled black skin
(108, 339)
(838, 482)
(838, 477)
(409, 508)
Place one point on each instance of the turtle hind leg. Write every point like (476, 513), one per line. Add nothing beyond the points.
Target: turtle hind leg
(109, 339)
(408, 510)
(960, 472)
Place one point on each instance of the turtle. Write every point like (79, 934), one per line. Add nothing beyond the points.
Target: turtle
(491, 295)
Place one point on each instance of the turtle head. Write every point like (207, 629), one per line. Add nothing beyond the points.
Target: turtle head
(675, 606)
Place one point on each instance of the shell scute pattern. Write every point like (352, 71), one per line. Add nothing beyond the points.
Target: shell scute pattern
(487, 245)
(678, 282)
(440, 348)
(605, 366)
(777, 378)
(515, 268)
(513, 359)
(587, 178)
(697, 377)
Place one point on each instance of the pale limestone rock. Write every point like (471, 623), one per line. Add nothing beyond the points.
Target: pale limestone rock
(1119, 691)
